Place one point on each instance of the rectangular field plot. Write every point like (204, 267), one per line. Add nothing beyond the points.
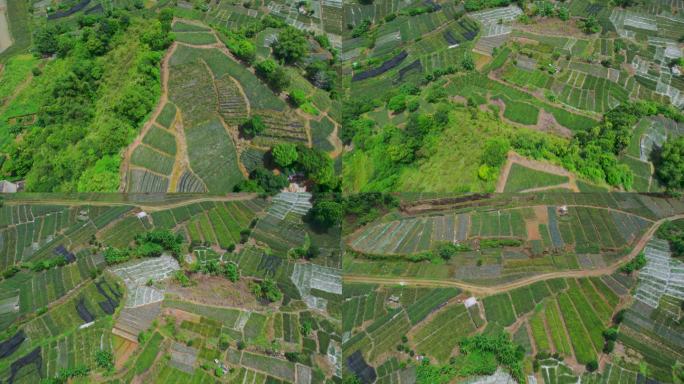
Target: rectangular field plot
(521, 178)
(442, 332)
(213, 157)
(155, 161)
(412, 235)
(161, 140)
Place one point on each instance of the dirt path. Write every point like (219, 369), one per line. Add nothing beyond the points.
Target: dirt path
(514, 158)
(482, 290)
(141, 205)
(125, 163)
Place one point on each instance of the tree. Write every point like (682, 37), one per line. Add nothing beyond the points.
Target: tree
(230, 271)
(592, 366)
(104, 359)
(397, 103)
(267, 289)
(252, 127)
(326, 214)
(284, 154)
(290, 46)
(317, 165)
(45, 40)
(263, 180)
(495, 152)
(273, 74)
(467, 62)
(589, 25)
(563, 13)
(298, 97)
(624, 3)
(670, 169)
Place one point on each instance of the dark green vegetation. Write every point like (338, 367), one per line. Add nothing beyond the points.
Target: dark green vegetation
(86, 105)
(673, 232)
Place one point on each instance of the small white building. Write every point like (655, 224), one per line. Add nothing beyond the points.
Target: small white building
(470, 302)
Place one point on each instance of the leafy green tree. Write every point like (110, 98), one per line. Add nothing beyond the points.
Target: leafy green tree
(592, 366)
(45, 40)
(467, 62)
(284, 154)
(563, 13)
(262, 180)
(670, 165)
(326, 214)
(298, 97)
(290, 46)
(273, 74)
(267, 289)
(495, 151)
(104, 359)
(589, 25)
(231, 272)
(317, 165)
(101, 177)
(253, 127)
(397, 103)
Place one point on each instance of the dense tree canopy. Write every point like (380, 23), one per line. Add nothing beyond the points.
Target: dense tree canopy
(92, 100)
(273, 74)
(284, 154)
(326, 213)
(670, 165)
(290, 46)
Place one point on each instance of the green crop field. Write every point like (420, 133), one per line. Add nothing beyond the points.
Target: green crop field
(521, 178)
(103, 278)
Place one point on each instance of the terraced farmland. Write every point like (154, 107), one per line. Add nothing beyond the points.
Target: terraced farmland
(96, 285)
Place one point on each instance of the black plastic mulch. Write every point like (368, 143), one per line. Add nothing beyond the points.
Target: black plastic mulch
(416, 66)
(96, 9)
(361, 369)
(10, 345)
(33, 357)
(450, 38)
(470, 30)
(109, 305)
(270, 264)
(68, 256)
(59, 14)
(83, 311)
(386, 66)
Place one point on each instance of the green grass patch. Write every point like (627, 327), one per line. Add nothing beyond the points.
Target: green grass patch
(521, 178)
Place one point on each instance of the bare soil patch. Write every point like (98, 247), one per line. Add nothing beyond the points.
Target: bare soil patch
(217, 291)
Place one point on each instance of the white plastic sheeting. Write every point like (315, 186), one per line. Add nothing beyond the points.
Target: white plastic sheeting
(308, 276)
(290, 202)
(662, 275)
(137, 274)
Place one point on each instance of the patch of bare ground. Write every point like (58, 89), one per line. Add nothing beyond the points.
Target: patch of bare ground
(217, 291)
(541, 216)
(124, 352)
(547, 123)
(180, 315)
(324, 363)
(524, 40)
(551, 26)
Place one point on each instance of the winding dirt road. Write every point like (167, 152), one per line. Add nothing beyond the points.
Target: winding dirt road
(480, 290)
